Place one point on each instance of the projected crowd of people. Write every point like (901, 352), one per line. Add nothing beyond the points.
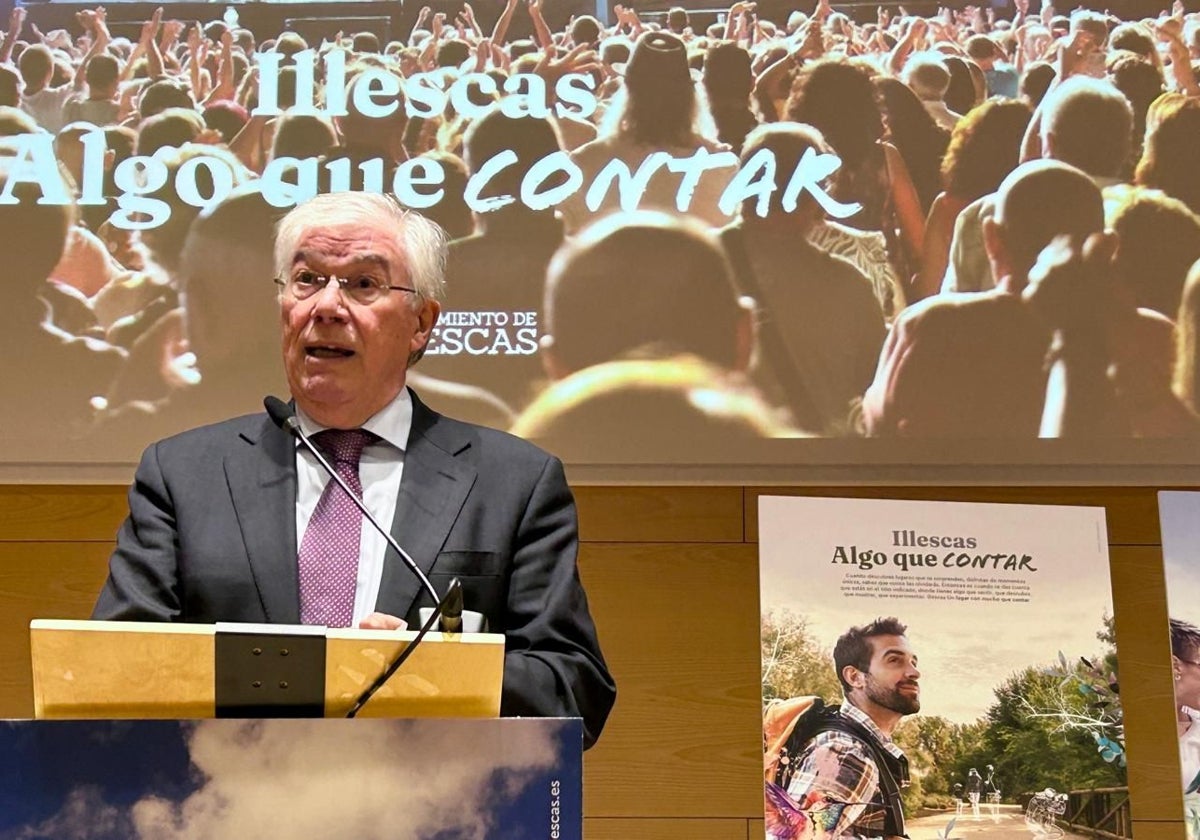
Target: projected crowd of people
(1007, 249)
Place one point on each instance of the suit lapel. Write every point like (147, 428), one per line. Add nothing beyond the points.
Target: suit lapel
(262, 483)
(435, 483)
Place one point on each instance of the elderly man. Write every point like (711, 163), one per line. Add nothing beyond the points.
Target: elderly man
(234, 522)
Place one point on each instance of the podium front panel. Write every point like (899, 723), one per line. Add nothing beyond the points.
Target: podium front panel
(292, 779)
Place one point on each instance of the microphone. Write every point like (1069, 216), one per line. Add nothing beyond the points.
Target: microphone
(282, 415)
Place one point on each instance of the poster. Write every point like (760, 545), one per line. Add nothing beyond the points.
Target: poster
(1179, 515)
(294, 779)
(988, 654)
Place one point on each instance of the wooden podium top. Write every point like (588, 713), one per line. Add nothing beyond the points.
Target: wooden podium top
(118, 669)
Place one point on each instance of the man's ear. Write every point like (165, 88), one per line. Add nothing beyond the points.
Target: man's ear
(853, 677)
(1176, 668)
(427, 318)
(431, 310)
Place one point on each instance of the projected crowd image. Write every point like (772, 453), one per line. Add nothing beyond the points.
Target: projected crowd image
(670, 239)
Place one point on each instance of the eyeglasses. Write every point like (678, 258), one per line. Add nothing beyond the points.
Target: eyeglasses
(362, 288)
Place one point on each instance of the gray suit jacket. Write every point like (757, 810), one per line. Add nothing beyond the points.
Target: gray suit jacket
(211, 536)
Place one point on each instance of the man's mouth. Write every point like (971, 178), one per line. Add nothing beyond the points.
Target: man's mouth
(913, 687)
(327, 351)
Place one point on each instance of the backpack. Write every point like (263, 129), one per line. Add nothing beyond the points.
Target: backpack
(770, 332)
(790, 725)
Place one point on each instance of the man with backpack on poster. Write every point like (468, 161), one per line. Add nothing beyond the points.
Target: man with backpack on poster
(840, 765)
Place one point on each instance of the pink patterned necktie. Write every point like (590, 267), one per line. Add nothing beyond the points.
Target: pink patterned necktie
(329, 551)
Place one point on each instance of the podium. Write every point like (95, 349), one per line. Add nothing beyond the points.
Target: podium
(147, 770)
(120, 669)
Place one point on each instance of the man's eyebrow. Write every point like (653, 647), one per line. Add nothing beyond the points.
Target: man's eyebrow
(366, 257)
(900, 651)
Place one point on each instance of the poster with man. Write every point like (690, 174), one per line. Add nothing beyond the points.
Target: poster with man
(935, 670)
(1178, 513)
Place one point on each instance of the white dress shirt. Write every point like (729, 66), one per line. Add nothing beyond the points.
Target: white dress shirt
(380, 471)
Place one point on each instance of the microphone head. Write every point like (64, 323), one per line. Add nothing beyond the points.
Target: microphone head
(451, 609)
(281, 414)
(453, 601)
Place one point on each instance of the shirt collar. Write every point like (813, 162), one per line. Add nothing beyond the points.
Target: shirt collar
(854, 713)
(392, 423)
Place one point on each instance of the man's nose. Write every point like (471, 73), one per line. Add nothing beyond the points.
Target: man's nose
(913, 673)
(329, 302)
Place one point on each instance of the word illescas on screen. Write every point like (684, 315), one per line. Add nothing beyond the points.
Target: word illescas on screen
(204, 180)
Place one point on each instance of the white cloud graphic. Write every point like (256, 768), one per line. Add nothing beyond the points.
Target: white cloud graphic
(399, 780)
(84, 816)
(367, 779)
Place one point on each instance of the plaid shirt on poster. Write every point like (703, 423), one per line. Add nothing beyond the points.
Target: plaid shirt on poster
(842, 767)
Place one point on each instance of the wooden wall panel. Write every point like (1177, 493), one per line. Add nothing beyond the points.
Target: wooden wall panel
(1158, 830)
(672, 576)
(1147, 693)
(40, 512)
(606, 514)
(604, 828)
(660, 514)
(40, 580)
(677, 624)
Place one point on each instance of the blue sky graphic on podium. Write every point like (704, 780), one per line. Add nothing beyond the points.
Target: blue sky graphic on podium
(295, 779)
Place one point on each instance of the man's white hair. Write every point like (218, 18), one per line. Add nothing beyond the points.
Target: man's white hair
(422, 241)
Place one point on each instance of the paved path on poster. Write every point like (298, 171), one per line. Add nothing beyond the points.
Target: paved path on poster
(1007, 824)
